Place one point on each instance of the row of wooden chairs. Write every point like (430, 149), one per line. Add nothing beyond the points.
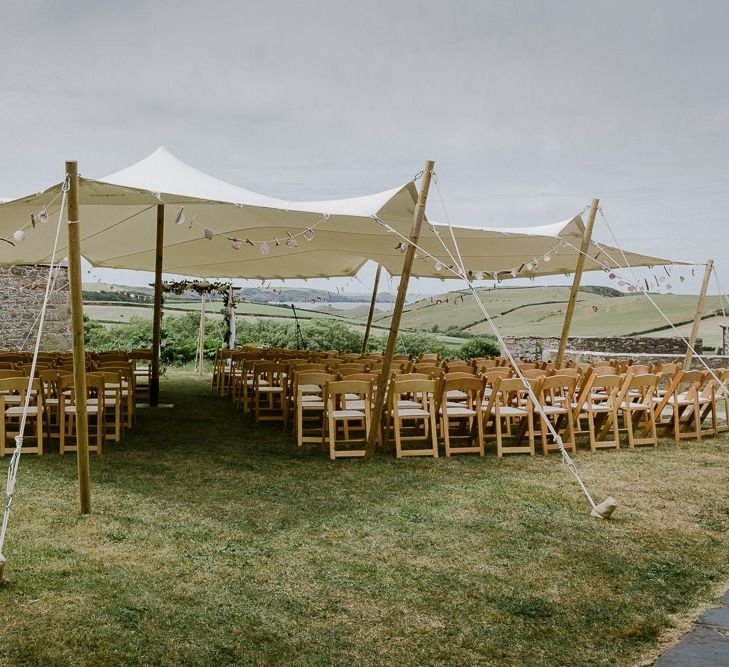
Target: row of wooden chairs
(111, 384)
(464, 404)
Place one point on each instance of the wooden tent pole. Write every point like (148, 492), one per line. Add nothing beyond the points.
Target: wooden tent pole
(77, 332)
(201, 336)
(402, 289)
(584, 247)
(697, 316)
(372, 309)
(157, 316)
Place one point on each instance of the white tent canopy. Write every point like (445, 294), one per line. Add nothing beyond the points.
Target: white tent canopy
(229, 232)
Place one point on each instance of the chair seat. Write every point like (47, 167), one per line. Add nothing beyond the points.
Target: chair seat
(409, 404)
(18, 410)
(597, 407)
(509, 411)
(269, 389)
(309, 389)
(634, 406)
(90, 408)
(312, 405)
(348, 414)
(109, 402)
(453, 411)
(413, 412)
(357, 404)
(456, 393)
(684, 401)
(553, 410)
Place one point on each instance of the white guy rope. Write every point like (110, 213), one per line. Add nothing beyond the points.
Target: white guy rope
(566, 458)
(15, 459)
(638, 284)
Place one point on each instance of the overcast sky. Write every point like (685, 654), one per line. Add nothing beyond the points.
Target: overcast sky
(529, 108)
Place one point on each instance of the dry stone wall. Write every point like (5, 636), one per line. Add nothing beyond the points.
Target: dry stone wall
(21, 297)
(539, 347)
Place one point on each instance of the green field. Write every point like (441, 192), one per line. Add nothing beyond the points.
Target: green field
(516, 311)
(215, 542)
(540, 311)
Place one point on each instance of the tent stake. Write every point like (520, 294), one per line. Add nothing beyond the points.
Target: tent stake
(372, 310)
(77, 330)
(697, 316)
(584, 247)
(157, 321)
(402, 289)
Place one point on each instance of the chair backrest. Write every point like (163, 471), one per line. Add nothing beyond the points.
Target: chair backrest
(349, 368)
(10, 373)
(511, 391)
(425, 368)
(604, 369)
(600, 386)
(19, 386)
(560, 385)
(526, 365)
(639, 388)
(459, 374)
(340, 388)
(484, 362)
(472, 386)
(492, 373)
(406, 384)
(461, 368)
(533, 373)
(316, 378)
(639, 369)
(572, 371)
(372, 377)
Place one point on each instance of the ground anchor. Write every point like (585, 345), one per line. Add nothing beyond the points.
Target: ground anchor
(605, 509)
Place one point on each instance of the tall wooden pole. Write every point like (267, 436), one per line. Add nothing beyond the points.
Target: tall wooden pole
(584, 247)
(372, 310)
(77, 332)
(201, 336)
(402, 289)
(157, 321)
(697, 316)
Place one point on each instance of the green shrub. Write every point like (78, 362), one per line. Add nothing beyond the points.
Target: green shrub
(413, 343)
(179, 338)
(479, 347)
(330, 334)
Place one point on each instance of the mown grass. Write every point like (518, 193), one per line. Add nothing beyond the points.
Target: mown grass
(213, 542)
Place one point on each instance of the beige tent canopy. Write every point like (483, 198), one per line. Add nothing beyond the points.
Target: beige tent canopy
(225, 231)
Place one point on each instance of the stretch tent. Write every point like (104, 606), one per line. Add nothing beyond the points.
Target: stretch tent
(228, 232)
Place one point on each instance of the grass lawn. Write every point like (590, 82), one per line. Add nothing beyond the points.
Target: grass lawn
(213, 542)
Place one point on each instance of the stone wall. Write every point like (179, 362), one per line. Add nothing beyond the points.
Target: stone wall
(538, 347)
(21, 296)
(712, 360)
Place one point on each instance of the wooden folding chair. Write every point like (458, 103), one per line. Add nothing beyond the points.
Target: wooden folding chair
(685, 403)
(459, 412)
(355, 420)
(510, 407)
(13, 392)
(637, 404)
(556, 396)
(95, 389)
(412, 410)
(601, 406)
(309, 406)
